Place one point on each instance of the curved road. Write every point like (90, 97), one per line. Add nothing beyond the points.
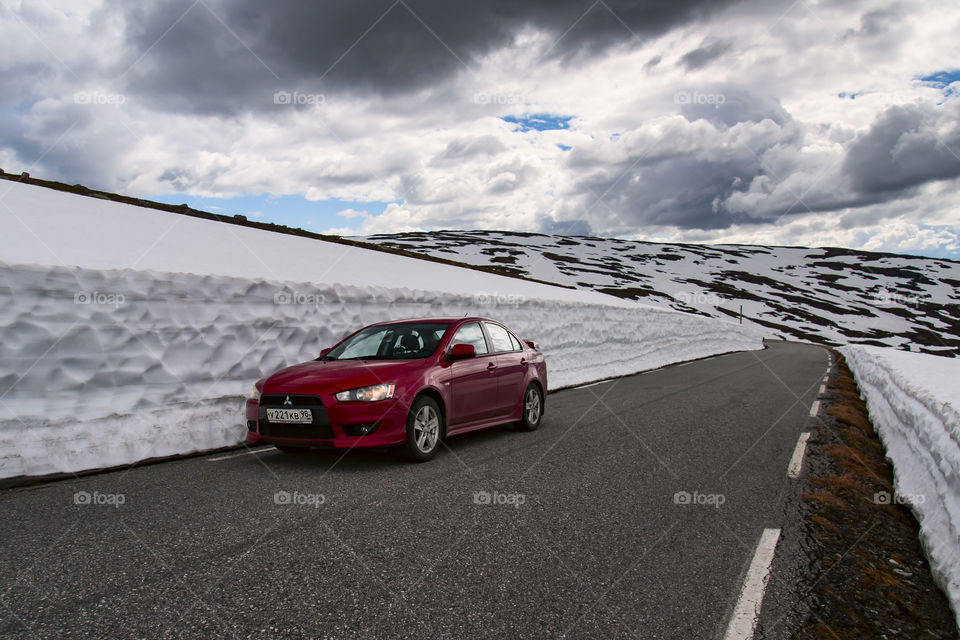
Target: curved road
(571, 530)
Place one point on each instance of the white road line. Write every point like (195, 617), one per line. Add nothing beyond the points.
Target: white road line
(245, 453)
(592, 384)
(815, 409)
(743, 624)
(826, 379)
(796, 461)
(823, 389)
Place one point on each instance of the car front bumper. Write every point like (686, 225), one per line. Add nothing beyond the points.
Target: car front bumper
(341, 425)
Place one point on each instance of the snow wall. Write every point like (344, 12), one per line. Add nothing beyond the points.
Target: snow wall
(913, 402)
(105, 367)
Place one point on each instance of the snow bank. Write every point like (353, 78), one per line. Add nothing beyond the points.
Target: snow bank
(131, 333)
(914, 402)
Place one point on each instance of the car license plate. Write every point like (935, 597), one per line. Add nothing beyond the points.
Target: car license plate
(290, 416)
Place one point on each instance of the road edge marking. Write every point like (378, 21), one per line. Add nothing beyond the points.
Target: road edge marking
(743, 624)
(796, 460)
(244, 453)
(814, 408)
(592, 384)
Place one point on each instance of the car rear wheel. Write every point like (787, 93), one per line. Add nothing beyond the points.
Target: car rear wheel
(424, 428)
(532, 411)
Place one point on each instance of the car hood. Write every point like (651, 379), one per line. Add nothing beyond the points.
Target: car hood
(336, 375)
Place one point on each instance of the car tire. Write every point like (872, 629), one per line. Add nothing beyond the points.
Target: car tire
(531, 410)
(286, 448)
(424, 429)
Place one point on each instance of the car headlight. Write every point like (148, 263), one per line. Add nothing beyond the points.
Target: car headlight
(254, 394)
(367, 394)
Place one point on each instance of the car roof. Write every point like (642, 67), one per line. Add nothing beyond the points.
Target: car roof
(447, 319)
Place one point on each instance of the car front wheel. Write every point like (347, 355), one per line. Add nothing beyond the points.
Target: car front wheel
(424, 427)
(532, 411)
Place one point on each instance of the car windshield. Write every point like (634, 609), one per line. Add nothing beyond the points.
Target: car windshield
(402, 341)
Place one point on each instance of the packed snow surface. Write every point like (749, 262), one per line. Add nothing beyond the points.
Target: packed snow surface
(131, 333)
(914, 402)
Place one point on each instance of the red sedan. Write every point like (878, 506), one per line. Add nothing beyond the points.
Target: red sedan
(404, 384)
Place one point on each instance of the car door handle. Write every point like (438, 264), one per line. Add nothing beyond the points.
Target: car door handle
(523, 361)
(491, 366)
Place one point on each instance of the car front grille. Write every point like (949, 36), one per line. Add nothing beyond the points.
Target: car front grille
(319, 429)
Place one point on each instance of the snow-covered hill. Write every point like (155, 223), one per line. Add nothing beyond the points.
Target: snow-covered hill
(834, 296)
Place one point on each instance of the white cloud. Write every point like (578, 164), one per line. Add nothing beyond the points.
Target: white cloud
(640, 163)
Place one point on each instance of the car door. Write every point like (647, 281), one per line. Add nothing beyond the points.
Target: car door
(511, 367)
(473, 381)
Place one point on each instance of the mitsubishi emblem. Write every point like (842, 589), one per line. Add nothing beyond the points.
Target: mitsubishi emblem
(287, 401)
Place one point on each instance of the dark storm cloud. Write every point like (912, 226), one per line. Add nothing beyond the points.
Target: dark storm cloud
(75, 159)
(192, 61)
(657, 184)
(467, 148)
(652, 62)
(905, 147)
(691, 192)
(705, 54)
(877, 22)
(552, 227)
(729, 105)
(671, 191)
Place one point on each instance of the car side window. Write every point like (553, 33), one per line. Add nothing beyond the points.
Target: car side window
(471, 334)
(500, 338)
(516, 343)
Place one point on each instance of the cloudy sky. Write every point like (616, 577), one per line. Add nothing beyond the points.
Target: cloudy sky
(833, 122)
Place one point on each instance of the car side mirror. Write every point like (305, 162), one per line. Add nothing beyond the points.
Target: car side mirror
(461, 351)
(326, 351)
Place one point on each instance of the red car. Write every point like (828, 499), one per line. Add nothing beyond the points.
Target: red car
(404, 384)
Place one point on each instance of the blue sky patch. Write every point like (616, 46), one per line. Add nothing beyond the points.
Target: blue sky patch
(539, 121)
(942, 80)
(291, 210)
(564, 147)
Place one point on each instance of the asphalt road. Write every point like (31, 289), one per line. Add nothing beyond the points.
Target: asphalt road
(583, 536)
